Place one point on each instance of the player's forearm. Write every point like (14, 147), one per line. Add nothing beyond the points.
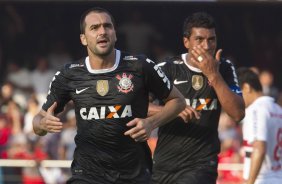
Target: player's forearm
(168, 112)
(256, 162)
(231, 103)
(153, 109)
(36, 125)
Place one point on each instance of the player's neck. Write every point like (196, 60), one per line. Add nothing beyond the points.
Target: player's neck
(253, 98)
(102, 62)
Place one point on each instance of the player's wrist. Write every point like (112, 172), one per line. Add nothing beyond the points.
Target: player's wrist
(39, 128)
(153, 122)
(40, 131)
(213, 78)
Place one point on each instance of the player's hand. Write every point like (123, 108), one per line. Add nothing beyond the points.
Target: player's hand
(205, 61)
(141, 129)
(51, 123)
(246, 182)
(189, 114)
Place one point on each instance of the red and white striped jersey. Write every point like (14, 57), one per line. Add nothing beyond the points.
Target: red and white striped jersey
(263, 122)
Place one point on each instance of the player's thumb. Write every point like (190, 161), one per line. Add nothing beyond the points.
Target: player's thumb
(218, 54)
(52, 108)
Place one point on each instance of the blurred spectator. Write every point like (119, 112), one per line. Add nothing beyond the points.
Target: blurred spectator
(230, 146)
(20, 148)
(58, 55)
(19, 77)
(5, 132)
(266, 80)
(16, 145)
(67, 144)
(14, 117)
(17, 149)
(32, 109)
(138, 34)
(51, 145)
(49, 175)
(52, 175)
(10, 124)
(40, 79)
(279, 99)
(6, 95)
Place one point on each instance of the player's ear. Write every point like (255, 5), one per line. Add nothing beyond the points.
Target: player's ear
(246, 87)
(186, 42)
(83, 39)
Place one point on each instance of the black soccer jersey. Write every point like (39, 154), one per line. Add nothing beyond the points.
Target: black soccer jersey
(105, 100)
(186, 145)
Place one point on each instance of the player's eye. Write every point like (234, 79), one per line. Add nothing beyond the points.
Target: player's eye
(213, 39)
(94, 27)
(108, 25)
(199, 39)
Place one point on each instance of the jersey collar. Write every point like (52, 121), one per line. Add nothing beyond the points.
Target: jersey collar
(88, 66)
(194, 69)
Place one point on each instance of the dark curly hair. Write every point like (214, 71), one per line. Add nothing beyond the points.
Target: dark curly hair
(199, 20)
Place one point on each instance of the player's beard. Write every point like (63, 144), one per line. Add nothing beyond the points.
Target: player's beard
(103, 52)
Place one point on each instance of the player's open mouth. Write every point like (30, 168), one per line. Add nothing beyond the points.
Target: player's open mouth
(102, 42)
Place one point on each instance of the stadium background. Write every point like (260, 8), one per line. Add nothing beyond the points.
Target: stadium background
(250, 32)
(247, 29)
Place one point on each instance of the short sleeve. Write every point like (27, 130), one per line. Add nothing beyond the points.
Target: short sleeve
(167, 69)
(156, 80)
(229, 74)
(58, 92)
(260, 118)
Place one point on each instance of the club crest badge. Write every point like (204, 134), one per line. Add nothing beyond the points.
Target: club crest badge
(125, 84)
(197, 82)
(102, 87)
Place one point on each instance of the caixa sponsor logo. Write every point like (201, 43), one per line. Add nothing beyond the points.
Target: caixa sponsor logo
(160, 73)
(202, 104)
(106, 112)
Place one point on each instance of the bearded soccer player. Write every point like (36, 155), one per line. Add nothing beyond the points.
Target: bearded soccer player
(110, 92)
(188, 146)
(262, 132)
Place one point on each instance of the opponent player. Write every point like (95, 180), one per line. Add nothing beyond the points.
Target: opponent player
(262, 132)
(110, 91)
(187, 152)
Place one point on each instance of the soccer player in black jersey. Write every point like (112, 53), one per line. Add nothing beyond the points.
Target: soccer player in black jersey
(110, 90)
(188, 146)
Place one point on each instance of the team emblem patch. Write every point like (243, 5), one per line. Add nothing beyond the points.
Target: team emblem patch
(125, 84)
(102, 87)
(197, 82)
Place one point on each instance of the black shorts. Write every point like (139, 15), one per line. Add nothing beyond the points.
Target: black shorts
(145, 180)
(200, 175)
(142, 178)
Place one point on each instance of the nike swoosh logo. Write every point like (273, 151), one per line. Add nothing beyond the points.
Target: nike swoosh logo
(179, 82)
(80, 91)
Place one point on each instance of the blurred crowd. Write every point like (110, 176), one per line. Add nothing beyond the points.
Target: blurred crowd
(24, 86)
